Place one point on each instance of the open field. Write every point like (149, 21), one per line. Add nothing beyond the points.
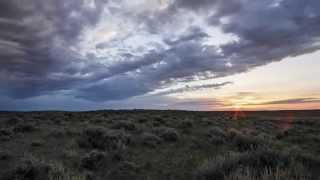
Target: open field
(160, 145)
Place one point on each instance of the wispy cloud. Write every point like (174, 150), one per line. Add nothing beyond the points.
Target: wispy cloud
(198, 104)
(188, 88)
(288, 101)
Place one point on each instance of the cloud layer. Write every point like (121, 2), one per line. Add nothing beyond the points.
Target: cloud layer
(102, 50)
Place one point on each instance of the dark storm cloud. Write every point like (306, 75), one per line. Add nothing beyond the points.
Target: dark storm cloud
(117, 88)
(30, 33)
(37, 37)
(270, 32)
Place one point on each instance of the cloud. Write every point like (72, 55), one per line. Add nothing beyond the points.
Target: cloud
(193, 88)
(101, 50)
(115, 89)
(198, 104)
(289, 101)
(32, 38)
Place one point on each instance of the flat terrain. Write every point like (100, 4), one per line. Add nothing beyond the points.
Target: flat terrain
(159, 145)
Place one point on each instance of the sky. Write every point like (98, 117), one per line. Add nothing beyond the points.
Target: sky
(159, 54)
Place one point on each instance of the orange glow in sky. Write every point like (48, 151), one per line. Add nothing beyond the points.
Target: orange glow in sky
(289, 84)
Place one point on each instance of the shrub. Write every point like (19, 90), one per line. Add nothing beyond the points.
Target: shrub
(104, 139)
(57, 133)
(125, 125)
(265, 137)
(216, 131)
(249, 132)
(206, 122)
(12, 121)
(217, 167)
(125, 171)
(36, 143)
(185, 124)
(297, 173)
(246, 142)
(31, 168)
(59, 172)
(24, 128)
(309, 160)
(160, 120)
(5, 134)
(93, 160)
(167, 134)
(216, 135)
(28, 170)
(150, 139)
(233, 132)
(222, 166)
(93, 138)
(4, 155)
(282, 134)
(142, 120)
(265, 158)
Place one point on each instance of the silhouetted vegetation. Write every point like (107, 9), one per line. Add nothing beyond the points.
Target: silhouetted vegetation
(159, 145)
